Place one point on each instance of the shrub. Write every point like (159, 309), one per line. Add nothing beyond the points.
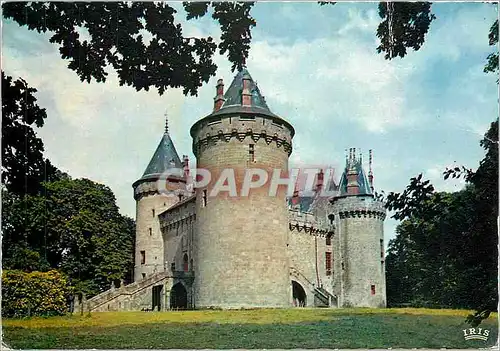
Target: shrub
(34, 294)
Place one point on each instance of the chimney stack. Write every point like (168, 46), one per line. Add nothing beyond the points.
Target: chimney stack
(319, 184)
(352, 174)
(370, 172)
(219, 97)
(246, 95)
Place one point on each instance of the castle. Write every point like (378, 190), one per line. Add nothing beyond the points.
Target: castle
(194, 250)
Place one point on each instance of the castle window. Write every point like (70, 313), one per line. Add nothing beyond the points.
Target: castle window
(328, 261)
(153, 211)
(328, 240)
(143, 257)
(150, 231)
(247, 118)
(172, 266)
(382, 249)
(251, 153)
(143, 275)
(185, 262)
(204, 199)
(373, 289)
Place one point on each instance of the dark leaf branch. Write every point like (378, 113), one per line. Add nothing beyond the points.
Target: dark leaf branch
(404, 26)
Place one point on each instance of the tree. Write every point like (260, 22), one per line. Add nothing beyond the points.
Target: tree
(75, 226)
(458, 232)
(23, 164)
(116, 31)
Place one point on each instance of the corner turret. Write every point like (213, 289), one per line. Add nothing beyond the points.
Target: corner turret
(154, 192)
(359, 218)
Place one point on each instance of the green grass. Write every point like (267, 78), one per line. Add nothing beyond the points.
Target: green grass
(281, 328)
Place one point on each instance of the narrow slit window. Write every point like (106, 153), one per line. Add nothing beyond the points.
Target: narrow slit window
(251, 153)
(328, 261)
(143, 257)
(172, 266)
(153, 212)
(204, 199)
(150, 231)
(372, 288)
(382, 249)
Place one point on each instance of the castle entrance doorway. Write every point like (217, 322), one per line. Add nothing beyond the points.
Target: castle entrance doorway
(157, 297)
(298, 294)
(178, 297)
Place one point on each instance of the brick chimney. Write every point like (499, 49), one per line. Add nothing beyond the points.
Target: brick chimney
(352, 174)
(319, 183)
(219, 97)
(246, 95)
(185, 165)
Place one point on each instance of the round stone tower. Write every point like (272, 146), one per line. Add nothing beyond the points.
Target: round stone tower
(154, 192)
(240, 251)
(359, 219)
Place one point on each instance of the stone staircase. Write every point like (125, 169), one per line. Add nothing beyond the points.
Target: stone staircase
(322, 297)
(111, 295)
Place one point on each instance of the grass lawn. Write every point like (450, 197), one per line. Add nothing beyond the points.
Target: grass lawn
(280, 328)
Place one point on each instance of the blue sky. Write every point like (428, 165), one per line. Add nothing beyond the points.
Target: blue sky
(317, 67)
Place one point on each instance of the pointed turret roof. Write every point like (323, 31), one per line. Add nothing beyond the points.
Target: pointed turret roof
(356, 165)
(164, 158)
(233, 101)
(233, 95)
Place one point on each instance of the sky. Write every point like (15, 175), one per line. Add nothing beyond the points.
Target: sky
(317, 67)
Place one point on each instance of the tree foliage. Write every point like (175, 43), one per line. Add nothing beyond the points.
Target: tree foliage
(23, 164)
(404, 25)
(74, 227)
(33, 294)
(445, 251)
(147, 48)
(140, 41)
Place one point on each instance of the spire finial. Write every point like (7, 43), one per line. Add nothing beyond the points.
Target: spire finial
(370, 159)
(166, 122)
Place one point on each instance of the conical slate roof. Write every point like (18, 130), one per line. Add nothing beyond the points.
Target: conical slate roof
(165, 157)
(233, 95)
(364, 184)
(233, 102)
(234, 98)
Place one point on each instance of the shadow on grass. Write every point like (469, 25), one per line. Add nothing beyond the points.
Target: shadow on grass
(355, 331)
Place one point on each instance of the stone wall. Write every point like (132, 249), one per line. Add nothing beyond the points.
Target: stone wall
(178, 230)
(241, 241)
(307, 251)
(149, 204)
(359, 236)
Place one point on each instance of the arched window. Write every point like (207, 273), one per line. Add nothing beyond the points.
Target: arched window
(185, 261)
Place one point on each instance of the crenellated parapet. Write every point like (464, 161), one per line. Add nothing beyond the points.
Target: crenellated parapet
(359, 207)
(306, 222)
(251, 128)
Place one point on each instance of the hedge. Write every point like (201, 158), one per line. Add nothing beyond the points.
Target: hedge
(34, 294)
